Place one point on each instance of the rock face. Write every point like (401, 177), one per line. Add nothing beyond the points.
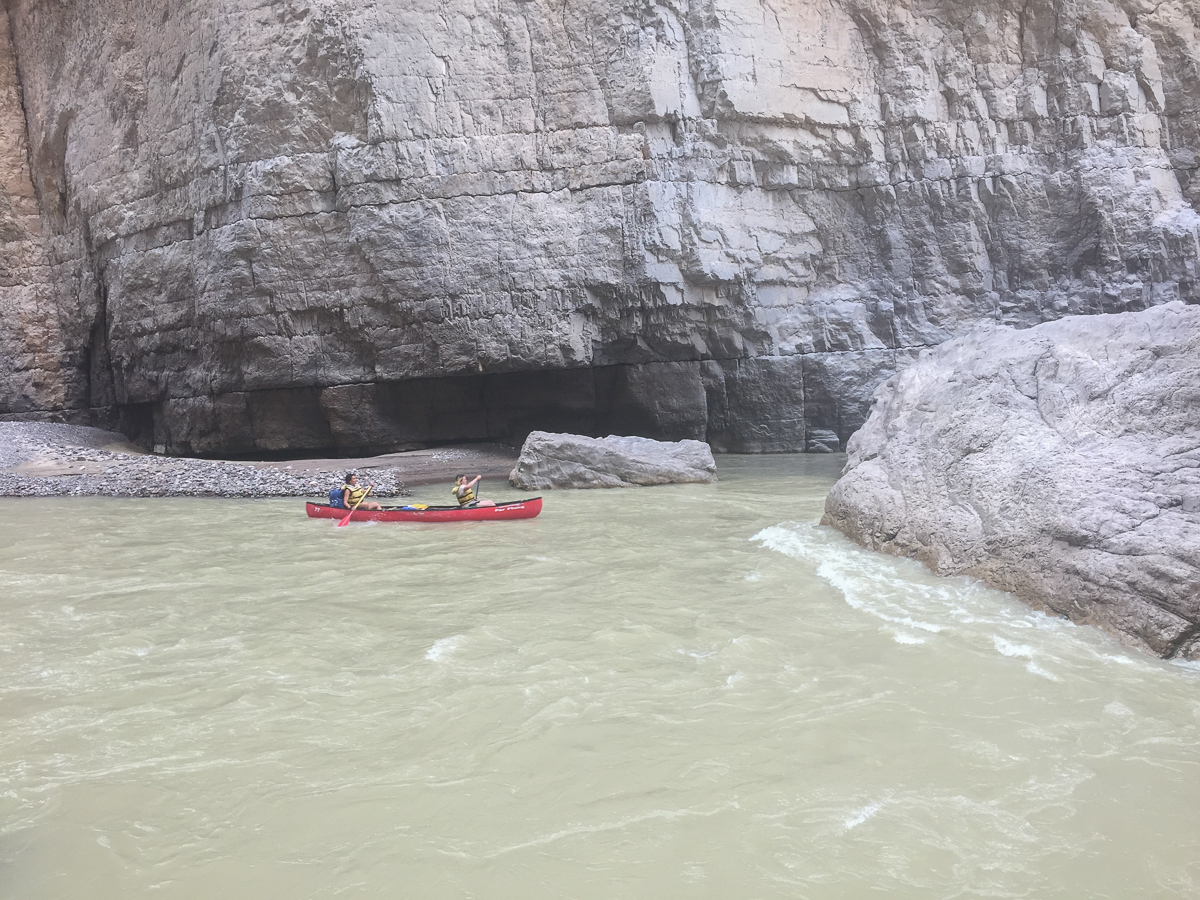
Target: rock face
(574, 461)
(233, 225)
(1061, 463)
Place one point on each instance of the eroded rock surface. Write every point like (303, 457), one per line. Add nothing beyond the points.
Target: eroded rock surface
(575, 461)
(1061, 463)
(237, 225)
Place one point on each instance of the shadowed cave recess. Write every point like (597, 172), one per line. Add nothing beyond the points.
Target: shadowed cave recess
(752, 406)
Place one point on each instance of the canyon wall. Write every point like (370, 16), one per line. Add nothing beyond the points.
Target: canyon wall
(243, 226)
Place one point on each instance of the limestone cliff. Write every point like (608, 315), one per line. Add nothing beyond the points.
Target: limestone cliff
(241, 224)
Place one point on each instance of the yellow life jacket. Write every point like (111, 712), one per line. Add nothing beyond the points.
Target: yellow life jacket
(464, 494)
(356, 494)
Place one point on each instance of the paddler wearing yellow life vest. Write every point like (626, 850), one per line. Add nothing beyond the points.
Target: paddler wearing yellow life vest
(352, 494)
(464, 492)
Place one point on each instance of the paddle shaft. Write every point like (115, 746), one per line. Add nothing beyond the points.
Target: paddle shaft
(346, 521)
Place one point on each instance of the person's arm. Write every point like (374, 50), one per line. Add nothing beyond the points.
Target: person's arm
(346, 497)
(474, 481)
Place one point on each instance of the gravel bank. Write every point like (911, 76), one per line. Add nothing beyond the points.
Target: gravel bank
(43, 460)
(49, 460)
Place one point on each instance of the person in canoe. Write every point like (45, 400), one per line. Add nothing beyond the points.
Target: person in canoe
(464, 492)
(353, 494)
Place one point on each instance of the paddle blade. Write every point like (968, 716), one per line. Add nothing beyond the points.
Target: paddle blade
(346, 520)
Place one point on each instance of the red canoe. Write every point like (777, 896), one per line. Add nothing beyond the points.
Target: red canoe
(518, 509)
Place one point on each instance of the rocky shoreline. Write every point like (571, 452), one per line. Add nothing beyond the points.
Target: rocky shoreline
(53, 460)
(1061, 463)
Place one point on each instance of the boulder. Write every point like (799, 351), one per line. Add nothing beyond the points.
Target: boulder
(1061, 463)
(574, 461)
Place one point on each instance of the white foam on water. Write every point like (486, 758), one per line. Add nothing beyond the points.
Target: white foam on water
(1034, 669)
(866, 581)
(861, 815)
(904, 594)
(1007, 648)
(1022, 651)
(443, 648)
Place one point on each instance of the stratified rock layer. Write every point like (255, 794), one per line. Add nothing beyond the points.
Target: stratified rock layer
(239, 225)
(1061, 463)
(575, 461)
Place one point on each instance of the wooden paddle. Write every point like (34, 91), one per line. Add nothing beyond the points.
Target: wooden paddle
(346, 521)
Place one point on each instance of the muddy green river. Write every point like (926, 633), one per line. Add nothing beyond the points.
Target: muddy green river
(677, 692)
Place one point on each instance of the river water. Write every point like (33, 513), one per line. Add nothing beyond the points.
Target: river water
(687, 691)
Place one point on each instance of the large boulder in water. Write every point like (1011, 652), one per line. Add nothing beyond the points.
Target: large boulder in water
(1061, 463)
(574, 461)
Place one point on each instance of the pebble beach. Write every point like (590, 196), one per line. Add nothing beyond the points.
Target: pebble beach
(50, 460)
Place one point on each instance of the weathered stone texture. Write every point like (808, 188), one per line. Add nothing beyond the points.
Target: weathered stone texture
(212, 199)
(33, 348)
(1061, 462)
(550, 461)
